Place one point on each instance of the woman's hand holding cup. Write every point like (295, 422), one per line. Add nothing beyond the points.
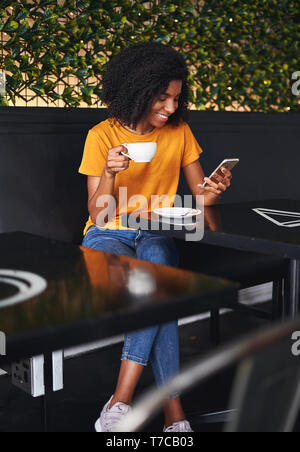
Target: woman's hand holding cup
(116, 162)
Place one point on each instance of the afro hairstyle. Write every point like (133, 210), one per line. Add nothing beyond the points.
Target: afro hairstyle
(137, 76)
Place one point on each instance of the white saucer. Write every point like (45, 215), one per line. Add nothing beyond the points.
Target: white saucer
(177, 212)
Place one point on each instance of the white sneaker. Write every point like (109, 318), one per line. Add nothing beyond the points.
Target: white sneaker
(181, 426)
(110, 417)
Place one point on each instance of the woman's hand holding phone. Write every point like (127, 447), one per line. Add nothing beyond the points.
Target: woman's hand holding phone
(219, 182)
(220, 179)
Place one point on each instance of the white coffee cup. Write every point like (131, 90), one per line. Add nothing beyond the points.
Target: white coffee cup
(140, 152)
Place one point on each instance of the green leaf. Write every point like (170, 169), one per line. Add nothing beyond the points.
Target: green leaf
(4, 102)
(22, 14)
(10, 26)
(38, 89)
(215, 91)
(24, 27)
(82, 73)
(44, 3)
(87, 90)
(49, 15)
(54, 96)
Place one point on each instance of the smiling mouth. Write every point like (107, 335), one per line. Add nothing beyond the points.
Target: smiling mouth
(162, 117)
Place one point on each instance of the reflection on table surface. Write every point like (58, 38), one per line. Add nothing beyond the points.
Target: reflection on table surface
(86, 284)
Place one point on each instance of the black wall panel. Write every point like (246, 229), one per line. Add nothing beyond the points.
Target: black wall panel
(268, 146)
(40, 150)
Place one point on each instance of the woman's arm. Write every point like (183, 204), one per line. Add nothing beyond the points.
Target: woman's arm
(101, 189)
(97, 187)
(194, 176)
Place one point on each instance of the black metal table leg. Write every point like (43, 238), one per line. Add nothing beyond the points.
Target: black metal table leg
(292, 289)
(277, 312)
(215, 326)
(43, 411)
(48, 381)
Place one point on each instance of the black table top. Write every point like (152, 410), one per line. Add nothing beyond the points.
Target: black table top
(238, 226)
(92, 295)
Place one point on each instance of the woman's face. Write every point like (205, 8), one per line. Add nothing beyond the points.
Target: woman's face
(164, 106)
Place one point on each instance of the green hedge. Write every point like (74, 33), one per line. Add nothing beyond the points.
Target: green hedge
(239, 52)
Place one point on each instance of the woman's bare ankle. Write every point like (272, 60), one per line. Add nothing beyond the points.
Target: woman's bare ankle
(173, 411)
(117, 399)
(129, 376)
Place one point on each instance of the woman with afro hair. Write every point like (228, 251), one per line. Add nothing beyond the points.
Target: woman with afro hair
(146, 91)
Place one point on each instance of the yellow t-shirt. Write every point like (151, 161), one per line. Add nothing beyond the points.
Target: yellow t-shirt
(143, 185)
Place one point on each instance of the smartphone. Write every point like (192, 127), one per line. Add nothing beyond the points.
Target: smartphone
(227, 163)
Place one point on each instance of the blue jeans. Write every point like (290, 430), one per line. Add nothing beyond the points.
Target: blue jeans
(159, 344)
